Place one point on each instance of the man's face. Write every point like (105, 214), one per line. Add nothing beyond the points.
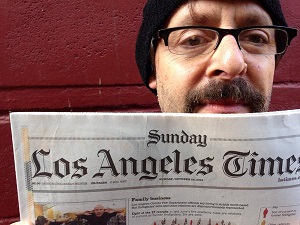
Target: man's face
(215, 82)
(99, 210)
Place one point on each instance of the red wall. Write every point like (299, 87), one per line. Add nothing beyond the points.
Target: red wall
(75, 55)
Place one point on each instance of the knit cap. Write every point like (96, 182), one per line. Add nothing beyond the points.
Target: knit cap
(156, 13)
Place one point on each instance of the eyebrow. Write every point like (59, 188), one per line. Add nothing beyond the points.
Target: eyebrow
(203, 19)
(248, 19)
(252, 19)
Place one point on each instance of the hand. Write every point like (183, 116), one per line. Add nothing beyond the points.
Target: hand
(87, 213)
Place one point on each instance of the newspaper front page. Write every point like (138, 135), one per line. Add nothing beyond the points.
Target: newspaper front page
(158, 169)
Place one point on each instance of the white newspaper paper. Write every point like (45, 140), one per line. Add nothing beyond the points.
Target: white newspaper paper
(164, 169)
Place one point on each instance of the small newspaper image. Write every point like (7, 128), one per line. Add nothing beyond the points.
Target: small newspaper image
(158, 168)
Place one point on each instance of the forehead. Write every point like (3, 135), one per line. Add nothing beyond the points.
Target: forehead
(219, 12)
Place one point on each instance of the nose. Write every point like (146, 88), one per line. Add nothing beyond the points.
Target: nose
(227, 61)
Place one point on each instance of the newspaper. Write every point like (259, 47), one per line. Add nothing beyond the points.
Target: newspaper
(158, 169)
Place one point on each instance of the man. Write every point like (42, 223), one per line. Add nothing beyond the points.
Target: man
(212, 56)
(100, 215)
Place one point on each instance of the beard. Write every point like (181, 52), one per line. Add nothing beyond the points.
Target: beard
(237, 90)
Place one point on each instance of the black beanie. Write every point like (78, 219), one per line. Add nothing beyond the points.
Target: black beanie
(155, 15)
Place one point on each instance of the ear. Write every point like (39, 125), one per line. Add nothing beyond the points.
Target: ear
(152, 82)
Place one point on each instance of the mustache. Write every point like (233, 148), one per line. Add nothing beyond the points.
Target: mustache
(237, 90)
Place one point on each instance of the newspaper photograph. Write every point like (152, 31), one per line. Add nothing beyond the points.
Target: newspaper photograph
(158, 169)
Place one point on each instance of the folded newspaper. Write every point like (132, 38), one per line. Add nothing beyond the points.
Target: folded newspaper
(158, 169)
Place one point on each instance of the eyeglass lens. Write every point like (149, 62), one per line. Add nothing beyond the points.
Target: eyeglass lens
(195, 41)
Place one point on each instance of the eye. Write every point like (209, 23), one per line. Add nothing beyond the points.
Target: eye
(255, 37)
(194, 41)
(189, 41)
(192, 38)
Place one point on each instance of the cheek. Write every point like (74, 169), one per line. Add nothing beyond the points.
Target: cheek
(261, 73)
(178, 71)
(169, 71)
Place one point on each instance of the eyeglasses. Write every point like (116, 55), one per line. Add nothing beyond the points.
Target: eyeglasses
(199, 40)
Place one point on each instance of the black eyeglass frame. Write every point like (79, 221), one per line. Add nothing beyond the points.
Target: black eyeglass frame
(164, 33)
